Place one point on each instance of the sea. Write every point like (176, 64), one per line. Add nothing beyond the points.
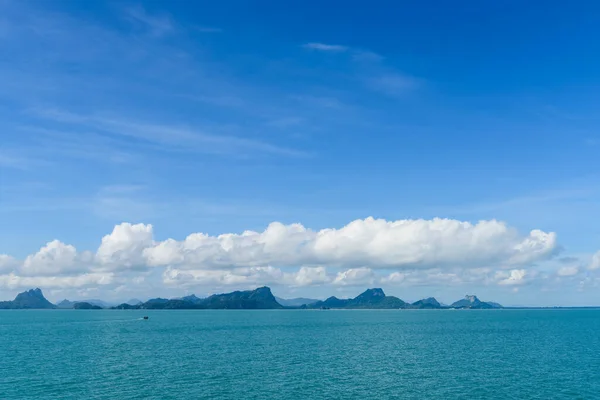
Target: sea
(300, 354)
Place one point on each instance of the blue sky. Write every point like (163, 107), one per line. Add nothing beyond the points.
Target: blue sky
(222, 117)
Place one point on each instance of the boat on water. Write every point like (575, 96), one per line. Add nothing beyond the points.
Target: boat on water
(145, 317)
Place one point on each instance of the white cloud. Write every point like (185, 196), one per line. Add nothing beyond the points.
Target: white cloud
(369, 242)
(538, 245)
(375, 243)
(513, 277)
(568, 271)
(7, 263)
(246, 277)
(440, 277)
(55, 258)
(124, 247)
(307, 276)
(325, 47)
(595, 263)
(355, 277)
(12, 281)
(444, 251)
(252, 276)
(394, 278)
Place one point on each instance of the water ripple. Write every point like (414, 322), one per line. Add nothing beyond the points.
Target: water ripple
(508, 354)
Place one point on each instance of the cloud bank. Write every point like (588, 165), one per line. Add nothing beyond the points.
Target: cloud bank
(364, 252)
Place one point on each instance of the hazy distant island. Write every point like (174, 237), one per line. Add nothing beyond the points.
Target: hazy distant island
(257, 299)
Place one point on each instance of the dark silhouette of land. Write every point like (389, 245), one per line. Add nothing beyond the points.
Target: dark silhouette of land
(257, 299)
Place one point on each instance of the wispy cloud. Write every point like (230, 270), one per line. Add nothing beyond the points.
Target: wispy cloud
(535, 200)
(124, 201)
(217, 100)
(370, 70)
(366, 56)
(10, 161)
(358, 55)
(325, 47)
(319, 101)
(15, 160)
(392, 84)
(78, 144)
(158, 25)
(285, 122)
(176, 137)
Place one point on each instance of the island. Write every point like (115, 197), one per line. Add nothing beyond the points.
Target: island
(258, 299)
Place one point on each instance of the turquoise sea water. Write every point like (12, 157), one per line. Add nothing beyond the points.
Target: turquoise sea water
(443, 354)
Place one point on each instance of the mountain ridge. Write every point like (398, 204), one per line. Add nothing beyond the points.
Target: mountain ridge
(295, 302)
(259, 298)
(33, 298)
(377, 299)
(371, 298)
(473, 302)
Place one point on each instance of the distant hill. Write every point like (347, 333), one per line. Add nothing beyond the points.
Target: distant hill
(429, 302)
(95, 302)
(30, 299)
(296, 302)
(260, 298)
(66, 304)
(371, 298)
(99, 303)
(330, 302)
(192, 298)
(376, 298)
(494, 305)
(86, 306)
(472, 302)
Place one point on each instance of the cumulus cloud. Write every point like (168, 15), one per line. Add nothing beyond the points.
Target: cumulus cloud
(375, 243)
(252, 276)
(355, 277)
(307, 276)
(295, 255)
(55, 258)
(536, 246)
(7, 263)
(124, 247)
(440, 277)
(394, 278)
(513, 277)
(595, 263)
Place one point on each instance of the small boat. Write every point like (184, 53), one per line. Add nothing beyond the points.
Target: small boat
(145, 317)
